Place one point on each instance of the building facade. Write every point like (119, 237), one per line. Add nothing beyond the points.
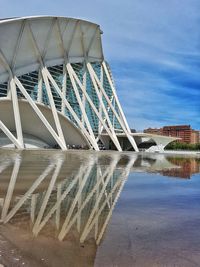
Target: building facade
(154, 131)
(195, 137)
(184, 132)
(56, 89)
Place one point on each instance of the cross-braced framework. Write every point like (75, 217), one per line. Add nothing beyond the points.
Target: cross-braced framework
(58, 63)
(81, 202)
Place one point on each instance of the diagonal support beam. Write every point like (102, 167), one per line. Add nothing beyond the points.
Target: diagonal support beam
(115, 95)
(39, 113)
(68, 106)
(10, 135)
(53, 107)
(117, 144)
(16, 112)
(82, 108)
(127, 132)
(94, 108)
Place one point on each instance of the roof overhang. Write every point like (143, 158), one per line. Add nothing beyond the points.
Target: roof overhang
(33, 126)
(155, 136)
(160, 140)
(56, 38)
(146, 135)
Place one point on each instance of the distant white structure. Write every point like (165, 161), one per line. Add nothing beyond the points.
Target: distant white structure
(56, 89)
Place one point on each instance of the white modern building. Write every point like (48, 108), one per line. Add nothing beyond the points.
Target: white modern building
(56, 89)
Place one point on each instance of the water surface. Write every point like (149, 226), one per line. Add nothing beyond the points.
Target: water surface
(82, 208)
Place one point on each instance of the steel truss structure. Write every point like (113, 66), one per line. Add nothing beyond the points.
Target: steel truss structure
(58, 63)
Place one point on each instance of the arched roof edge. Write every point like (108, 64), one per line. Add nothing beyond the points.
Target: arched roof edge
(8, 20)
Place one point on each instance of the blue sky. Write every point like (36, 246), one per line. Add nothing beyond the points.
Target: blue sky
(153, 47)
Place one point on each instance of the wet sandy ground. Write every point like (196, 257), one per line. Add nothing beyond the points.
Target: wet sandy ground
(18, 248)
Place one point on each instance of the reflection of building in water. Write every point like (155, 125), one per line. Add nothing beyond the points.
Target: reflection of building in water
(40, 204)
(167, 166)
(56, 206)
(188, 167)
(152, 163)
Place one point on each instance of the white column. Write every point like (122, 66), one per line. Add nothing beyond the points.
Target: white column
(64, 87)
(115, 95)
(116, 141)
(94, 143)
(80, 124)
(10, 135)
(124, 126)
(84, 85)
(93, 107)
(100, 107)
(16, 111)
(39, 114)
(53, 108)
(39, 94)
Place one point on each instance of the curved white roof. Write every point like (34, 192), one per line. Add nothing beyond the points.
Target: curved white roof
(24, 42)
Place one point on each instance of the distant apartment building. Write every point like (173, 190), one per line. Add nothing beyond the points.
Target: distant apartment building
(154, 131)
(182, 131)
(185, 132)
(195, 138)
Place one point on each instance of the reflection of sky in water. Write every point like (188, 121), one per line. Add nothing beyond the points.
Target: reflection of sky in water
(57, 208)
(155, 223)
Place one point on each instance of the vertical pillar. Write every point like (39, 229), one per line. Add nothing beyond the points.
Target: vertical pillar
(39, 94)
(64, 87)
(16, 112)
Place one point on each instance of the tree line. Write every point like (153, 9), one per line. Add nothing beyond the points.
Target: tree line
(182, 146)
